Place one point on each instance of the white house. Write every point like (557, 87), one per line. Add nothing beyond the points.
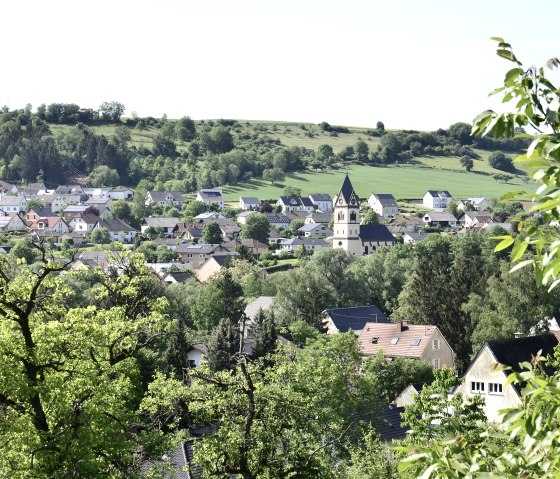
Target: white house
(485, 376)
(315, 230)
(322, 202)
(210, 196)
(440, 218)
(12, 223)
(84, 222)
(13, 204)
(166, 224)
(119, 230)
(477, 204)
(384, 204)
(311, 244)
(436, 199)
(249, 202)
(164, 198)
(51, 224)
(290, 204)
(121, 194)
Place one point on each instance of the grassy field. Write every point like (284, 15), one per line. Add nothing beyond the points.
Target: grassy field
(401, 181)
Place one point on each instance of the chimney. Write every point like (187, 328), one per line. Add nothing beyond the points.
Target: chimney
(401, 326)
(518, 335)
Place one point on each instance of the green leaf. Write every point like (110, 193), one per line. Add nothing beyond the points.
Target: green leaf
(521, 264)
(506, 242)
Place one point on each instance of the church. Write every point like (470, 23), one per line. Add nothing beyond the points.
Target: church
(349, 234)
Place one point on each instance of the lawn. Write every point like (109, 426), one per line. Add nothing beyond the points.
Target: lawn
(401, 181)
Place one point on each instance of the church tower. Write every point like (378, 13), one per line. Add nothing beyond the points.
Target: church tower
(347, 220)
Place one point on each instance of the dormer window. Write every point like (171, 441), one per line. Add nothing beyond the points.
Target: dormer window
(374, 339)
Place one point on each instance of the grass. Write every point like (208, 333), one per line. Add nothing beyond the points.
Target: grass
(402, 181)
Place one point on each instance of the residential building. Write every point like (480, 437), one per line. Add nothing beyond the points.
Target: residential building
(99, 202)
(470, 219)
(37, 212)
(295, 203)
(349, 234)
(197, 254)
(414, 237)
(119, 230)
(167, 225)
(50, 224)
(278, 220)
(477, 204)
(12, 222)
(403, 340)
(13, 204)
(210, 215)
(341, 320)
(210, 196)
(84, 222)
(436, 199)
(384, 204)
(310, 244)
(242, 217)
(164, 198)
(30, 189)
(322, 201)
(486, 375)
(315, 230)
(318, 218)
(177, 276)
(121, 193)
(213, 265)
(440, 218)
(249, 202)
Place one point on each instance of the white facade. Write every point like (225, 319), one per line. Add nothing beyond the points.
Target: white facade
(346, 234)
(384, 207)
(436, 200)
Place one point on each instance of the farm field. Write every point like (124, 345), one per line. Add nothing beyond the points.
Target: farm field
(401, 181)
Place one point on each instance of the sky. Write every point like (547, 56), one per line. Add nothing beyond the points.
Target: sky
(412, 64)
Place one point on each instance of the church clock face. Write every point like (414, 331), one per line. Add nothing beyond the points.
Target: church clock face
(353, 201)
(340, 201)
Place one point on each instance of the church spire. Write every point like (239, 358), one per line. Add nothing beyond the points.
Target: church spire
(347, 192)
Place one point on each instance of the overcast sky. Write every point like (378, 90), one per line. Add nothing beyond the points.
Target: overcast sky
(414, 64)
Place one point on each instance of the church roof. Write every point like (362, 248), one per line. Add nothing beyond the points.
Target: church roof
(375, 233)
(346, 190)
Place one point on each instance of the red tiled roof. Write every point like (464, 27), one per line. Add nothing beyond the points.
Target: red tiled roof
(404, 346)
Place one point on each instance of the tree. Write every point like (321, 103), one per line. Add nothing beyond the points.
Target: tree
(287, 415)
(502, 177)
(370, 218)
(99, 236)
(24, 250)
(185, 129)
(296, 224)
(361, 151)
(461, 133)
(211, 233)
(194, 208)
(500, 161)
(256, 227)
(265, 333)
(102, 175)
(111, 110)
(69, 381)
(223, 346)
(274, 175)
(120, 209)
(292, 191)
(467, 163)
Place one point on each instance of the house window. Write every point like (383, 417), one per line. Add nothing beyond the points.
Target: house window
(435, 344)
(394, 340)
(495, 388)
(477, 387)
(435, 363)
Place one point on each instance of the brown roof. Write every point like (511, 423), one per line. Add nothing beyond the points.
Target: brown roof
(404, 341)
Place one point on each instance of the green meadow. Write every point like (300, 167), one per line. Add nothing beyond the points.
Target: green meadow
(401, 181)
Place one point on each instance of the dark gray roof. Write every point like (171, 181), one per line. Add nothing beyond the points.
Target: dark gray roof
(390, 427)
(180, 276)
(115, 225)
(511, 352)
(161, 195)
(386, 199)
(250, 199)
(42, 211)
(320, 197)
(437, 193)
(277, 218)
(210, 193)
(307, 202)
(291, 200)
(161, 222)
(375, 233)
(320, 217)
(356, 318)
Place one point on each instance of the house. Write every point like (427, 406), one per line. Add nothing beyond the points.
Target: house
(436, 199)
(84, 222)
(195, 355)
(50, 224)
(249, 202)
(37, 212)
(295, 203)
(55, 202)
(391, 425)
(315, 230)
(341, 320)
(97, 192)
(404, 340)
(91, 260)
(491, 224)
(177, 276)
(278, 220)
(318, 218)
(469, 219)
(121, 193)
(167, 225)
(322, 202)
(213, 265)
(12, 222)
(410, 223)
(242, 217)
(13, 204)
(99, 202)
(119, 230)
(414, 237)
(408, 395)
(310, 244)
(440, 218)
(210, 215)
(477, 204)
(485, 377)
(31, 189)
(8, 188)
(349, 234)
(197, 254)
(256, 247)
(164, 198)
(384, 204)
(210, 196)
